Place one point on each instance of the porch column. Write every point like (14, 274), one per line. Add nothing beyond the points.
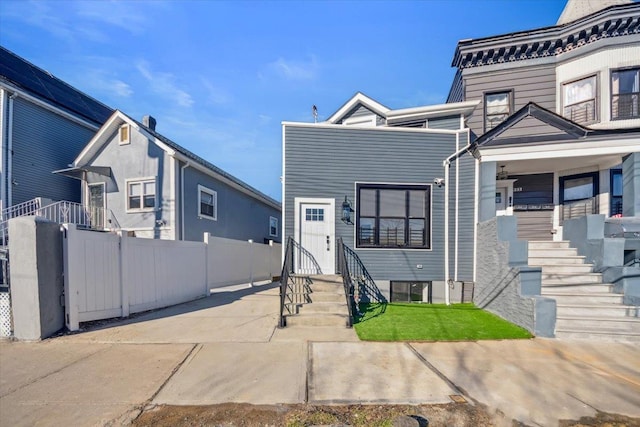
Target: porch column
(487, 208)
(631, 185)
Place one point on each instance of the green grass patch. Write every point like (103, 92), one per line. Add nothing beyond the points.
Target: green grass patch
(432, 322)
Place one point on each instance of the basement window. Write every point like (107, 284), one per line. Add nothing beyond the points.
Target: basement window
(402, 291)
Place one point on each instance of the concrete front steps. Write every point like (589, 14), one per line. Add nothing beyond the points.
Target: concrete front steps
(328, 306)
(586, 307)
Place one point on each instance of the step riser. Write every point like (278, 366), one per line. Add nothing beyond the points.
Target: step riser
(572, 278)
(586, 299)
(566, 269)
(552, 252)
(597, 311)
(326, 297)
(547, 245)
(579, 288)
(333, 308)
(326, 287)
(325, 320)
(544, 260)
(595, 325)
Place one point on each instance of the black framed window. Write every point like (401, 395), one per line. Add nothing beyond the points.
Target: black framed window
(625, 94)
(616, 192)
(402, 291)
(578, 187)
(393, 216)
(497, 107)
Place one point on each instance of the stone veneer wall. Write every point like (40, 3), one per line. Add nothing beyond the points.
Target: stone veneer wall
(505, 285)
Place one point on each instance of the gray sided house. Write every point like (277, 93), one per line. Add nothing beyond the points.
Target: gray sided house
(385, 167)
(556, 135)
(158, 189)
(44, 124)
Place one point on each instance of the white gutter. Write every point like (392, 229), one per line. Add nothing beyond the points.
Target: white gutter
(447, 276)
(182, 168)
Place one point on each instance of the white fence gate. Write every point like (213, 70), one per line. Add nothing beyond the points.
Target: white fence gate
(108, 275)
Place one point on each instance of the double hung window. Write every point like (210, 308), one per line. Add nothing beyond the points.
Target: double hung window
(580, 101)
(393, 216)
(207, 203)
(497, 107)
(625, 94)
(141, 195)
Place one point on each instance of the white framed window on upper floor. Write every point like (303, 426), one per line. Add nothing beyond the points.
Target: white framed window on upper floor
(141, 195)
(124, 134)
(273, 226)
(497, 107)
(625, 94)
(580, 100)
(207, 203)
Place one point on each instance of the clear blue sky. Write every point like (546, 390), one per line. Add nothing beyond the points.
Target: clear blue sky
(220, 77)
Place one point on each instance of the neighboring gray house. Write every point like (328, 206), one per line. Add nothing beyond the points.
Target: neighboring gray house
(382, 164)
(158, 189)
(44, 124)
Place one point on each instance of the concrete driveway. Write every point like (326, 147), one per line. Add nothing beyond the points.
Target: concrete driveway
(226, 348)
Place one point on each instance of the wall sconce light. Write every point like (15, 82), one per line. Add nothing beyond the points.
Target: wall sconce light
(503, 174)
(346, 211)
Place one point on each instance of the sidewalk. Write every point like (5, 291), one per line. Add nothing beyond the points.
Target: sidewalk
(226, 348)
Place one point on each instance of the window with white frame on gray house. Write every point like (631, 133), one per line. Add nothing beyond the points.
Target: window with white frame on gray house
(579, 100)
(141, 195)
(625, 94)
(207, 203)
(273, 226)
(497, 107)
(393, 216)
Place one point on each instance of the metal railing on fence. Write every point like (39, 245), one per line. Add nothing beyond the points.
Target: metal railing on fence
(579, 208)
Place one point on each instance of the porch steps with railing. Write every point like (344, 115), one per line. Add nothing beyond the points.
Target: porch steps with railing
(325, 304)
(586, 307)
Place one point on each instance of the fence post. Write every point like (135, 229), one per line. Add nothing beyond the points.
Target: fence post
(70, 293)
(207, 290)
(123, 248)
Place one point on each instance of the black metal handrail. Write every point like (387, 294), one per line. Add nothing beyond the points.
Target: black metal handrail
(343, 268)
(287, 271)
(305, 262)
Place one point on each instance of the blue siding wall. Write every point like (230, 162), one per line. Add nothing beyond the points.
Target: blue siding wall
(240, 216)
(451, 122)
(326, 162)
(43, 142)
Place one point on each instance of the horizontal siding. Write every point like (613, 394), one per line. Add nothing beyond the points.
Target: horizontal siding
(535, 225)
(358, 111)
(466, 211)
(456, 92)
(451, 123)
(528, 84)
(43, 142)
(326, 163)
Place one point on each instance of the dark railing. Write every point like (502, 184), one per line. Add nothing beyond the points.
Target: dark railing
(295, 287)
(359, 285)
(582, 113)
(569, 210)
(625, 106)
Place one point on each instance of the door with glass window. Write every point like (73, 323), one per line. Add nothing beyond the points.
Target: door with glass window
(316, 238)
(96, 209)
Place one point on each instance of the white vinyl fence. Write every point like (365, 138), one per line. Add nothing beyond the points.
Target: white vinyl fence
(108, 275)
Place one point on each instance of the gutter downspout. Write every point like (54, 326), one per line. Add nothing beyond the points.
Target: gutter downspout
(446, 164)
(182, 168)
(9, 174)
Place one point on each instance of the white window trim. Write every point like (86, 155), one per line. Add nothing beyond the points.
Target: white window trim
(128, 139)
(141, 180)
(369, 120)
(213, 193)
(273, 218)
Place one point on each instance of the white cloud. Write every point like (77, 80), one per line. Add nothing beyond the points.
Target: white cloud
(295, 70)
(164, 85)
(216, 94)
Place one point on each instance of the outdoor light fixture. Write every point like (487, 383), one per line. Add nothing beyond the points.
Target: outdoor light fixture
(503, 174)
(346, 211)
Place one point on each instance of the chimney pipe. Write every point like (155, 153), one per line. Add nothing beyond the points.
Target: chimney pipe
(149, 122)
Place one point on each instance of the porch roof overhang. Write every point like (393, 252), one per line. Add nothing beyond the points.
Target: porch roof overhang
(79, 172)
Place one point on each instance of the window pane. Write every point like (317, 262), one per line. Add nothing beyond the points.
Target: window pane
(580, 91)
(149, 201)
(150, 188)
(206, 198)
(134, 202)
(366, 232)
(578, 188)
(391, 232)
(367, 202)
(416, 232)
(392, 203)
(625, 81)
(616, 189)
(497, 103)
(135, 189)
(206, 209)
(416, 204)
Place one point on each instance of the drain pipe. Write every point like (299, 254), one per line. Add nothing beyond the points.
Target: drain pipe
(9, 175)
(446, 164)
(182, 168)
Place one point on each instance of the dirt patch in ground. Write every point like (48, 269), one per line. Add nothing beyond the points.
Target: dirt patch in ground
(246, 415)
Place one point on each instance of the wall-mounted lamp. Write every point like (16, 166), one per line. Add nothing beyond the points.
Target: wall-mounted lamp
(346, 211)
(503, 174)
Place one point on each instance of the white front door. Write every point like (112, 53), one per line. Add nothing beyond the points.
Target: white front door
(501, 201)
(316, 234)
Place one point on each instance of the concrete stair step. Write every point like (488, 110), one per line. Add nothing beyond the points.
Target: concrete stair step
(325, 307)
(606, 335)
(326, 287)
(539, 260)
(597, 310)
(582, 278)
(540, 244)
(315, 319)
(327, 297)
(584, 297)
(598, 324)
(565, 268)
(553, 252)
(551, 286)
